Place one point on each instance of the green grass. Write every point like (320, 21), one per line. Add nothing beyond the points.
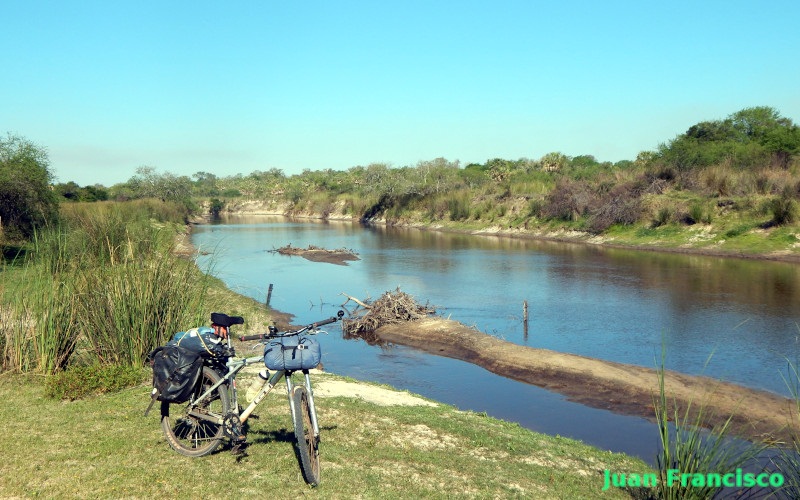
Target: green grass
(103, 447)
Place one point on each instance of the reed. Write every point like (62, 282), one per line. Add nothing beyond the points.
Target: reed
(129, 308)
(39, 328)
(788, 459)
(687, 447)
(106, 277)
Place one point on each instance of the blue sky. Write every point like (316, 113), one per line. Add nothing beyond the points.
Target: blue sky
(233, 87)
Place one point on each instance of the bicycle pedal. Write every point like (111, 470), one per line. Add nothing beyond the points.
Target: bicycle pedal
(240, 449)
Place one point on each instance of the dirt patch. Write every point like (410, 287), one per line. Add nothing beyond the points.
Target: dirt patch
(371, 393)
(313, 253)
(621, 388)
(327, 387)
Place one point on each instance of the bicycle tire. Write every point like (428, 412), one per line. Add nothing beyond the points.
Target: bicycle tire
(189, 435)
(307, 441)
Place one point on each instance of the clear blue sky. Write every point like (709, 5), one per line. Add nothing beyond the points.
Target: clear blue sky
(233, 87)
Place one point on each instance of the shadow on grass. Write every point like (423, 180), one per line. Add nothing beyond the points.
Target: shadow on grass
(12, 253)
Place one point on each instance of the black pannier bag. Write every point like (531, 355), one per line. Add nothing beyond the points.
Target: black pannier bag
(175, 373)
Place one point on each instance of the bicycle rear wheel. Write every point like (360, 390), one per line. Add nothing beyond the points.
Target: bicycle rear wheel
(307, 441)
(192, 436)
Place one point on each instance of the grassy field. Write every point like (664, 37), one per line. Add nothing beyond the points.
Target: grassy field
(103, 447)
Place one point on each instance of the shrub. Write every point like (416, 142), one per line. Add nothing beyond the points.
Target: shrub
(568, 201)
(215, 207)
(738, 230)
(783, 209)
(663, 216)
(622, 205)
(458, 208)
(535, 207)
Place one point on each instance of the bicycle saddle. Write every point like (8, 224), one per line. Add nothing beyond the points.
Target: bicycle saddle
(225, 320)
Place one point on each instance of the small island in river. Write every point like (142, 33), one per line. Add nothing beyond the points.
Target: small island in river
(314, 253)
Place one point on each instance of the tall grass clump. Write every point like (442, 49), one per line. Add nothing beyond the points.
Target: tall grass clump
(788, 458)
(129, 308)
(458, 207)
(106, 234)
(686, 447)
(783, 209)
(106, 283)
(40, 326)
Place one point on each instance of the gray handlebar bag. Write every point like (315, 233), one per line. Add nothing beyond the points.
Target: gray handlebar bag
(292, 353)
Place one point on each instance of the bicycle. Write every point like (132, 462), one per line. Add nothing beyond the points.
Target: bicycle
(198, 427)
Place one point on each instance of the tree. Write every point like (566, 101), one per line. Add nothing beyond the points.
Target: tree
(205, 184)
(167, 187)
(754, 123)
(94, 193)
(747, 139)
(26, 200)
(499, 169)
(72, 192)
(555, 161)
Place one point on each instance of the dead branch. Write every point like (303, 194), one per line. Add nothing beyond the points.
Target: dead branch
(349, 298)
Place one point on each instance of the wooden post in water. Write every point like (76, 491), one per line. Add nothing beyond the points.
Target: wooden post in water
(525, 318)
(269, 294)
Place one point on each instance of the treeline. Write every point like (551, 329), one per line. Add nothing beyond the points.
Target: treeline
(746, 163)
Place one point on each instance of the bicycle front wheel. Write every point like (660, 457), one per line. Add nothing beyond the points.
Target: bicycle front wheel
(307, 441)
(190, 435)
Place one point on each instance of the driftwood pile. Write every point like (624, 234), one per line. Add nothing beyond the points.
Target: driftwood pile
(391, 308)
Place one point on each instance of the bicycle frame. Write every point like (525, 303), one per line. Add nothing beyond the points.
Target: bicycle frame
(235, 365)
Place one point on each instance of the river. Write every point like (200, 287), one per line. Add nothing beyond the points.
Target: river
(733, 319)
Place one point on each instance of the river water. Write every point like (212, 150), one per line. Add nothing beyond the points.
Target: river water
(729, 318)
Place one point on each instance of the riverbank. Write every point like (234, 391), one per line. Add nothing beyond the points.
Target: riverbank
(700, 239)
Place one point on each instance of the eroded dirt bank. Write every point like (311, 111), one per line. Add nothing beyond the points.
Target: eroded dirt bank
(627, 389)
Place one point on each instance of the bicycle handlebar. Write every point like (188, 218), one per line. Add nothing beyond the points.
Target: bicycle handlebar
(260, 336)
(312, 326)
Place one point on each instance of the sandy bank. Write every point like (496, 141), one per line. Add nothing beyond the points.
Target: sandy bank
(626, 389)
